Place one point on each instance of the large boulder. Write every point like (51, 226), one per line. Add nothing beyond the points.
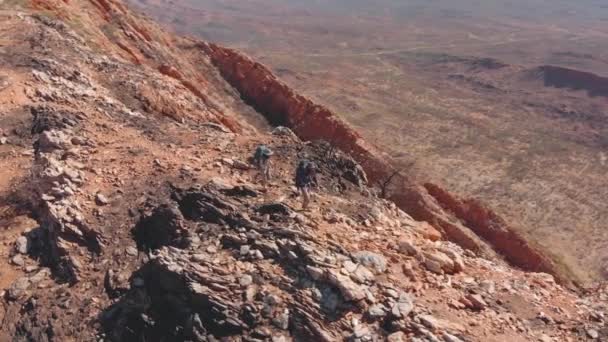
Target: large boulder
(373, 261)
(162, 227)
(53, 140)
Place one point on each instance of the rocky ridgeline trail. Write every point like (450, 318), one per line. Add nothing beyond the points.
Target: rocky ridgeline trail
(152, 225)
(255, 271)
(223, 266)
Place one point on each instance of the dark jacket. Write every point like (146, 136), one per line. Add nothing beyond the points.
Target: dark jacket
(305, 174)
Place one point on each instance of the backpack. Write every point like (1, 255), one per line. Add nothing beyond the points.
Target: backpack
(305, 173)
(262, 152)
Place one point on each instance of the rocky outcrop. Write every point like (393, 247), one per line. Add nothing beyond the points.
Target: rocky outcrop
(59, 214)
(560, 77)
(283, 106)
(491, 227)
(269, 275)
(422, 206)
(58, 173)
(134, 40)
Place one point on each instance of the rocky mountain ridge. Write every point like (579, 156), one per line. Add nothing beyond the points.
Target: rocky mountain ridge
(131, 212)
(429, 203)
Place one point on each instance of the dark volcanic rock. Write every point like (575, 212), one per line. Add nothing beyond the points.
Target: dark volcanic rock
(164, 226)
(274, 209)
(203, 205)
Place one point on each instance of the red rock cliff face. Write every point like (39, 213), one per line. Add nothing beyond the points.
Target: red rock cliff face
(493, 229)
(283, 106)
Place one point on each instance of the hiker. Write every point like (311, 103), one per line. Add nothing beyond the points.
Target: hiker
(305, 179)
(261, 159)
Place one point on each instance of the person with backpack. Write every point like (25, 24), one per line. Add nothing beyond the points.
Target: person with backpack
(261, 160)
(305, 179)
